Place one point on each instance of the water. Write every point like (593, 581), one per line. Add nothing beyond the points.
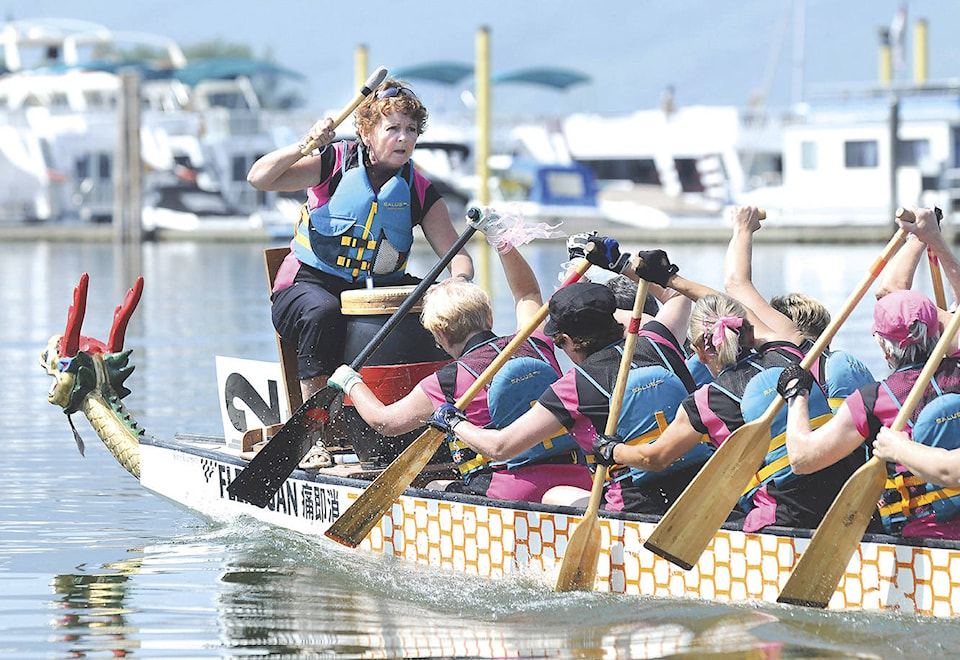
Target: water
(91, 565)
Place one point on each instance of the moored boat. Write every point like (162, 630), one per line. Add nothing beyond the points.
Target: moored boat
(469, 534)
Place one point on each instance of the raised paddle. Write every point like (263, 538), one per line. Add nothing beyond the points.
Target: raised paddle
(371, 84)
(578, 570)
(261, 479)
(373, 503)
(694, 518)
(815, 577)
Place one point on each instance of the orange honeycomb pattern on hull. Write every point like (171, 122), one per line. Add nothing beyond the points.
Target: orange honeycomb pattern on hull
(492, 542)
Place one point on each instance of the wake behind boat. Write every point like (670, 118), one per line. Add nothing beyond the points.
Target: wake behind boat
(474, 535)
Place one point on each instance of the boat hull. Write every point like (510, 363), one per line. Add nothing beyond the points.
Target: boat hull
(492, 539)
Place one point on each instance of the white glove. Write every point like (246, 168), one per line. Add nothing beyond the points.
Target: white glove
(344, 378)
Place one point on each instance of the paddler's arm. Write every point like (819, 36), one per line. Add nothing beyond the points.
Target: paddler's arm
(439, 232)
(934, 465)
(812, 449)
(390, 420)
(535, 425)
(677, 439)
(286, 169)
(523, 285)
(738, 275)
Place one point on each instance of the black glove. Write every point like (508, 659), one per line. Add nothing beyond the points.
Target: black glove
(446, 417)
(656, 267)
(794, 380)
(605, 252)
(603, 448)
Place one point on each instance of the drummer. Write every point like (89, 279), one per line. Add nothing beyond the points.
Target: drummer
(459, 315)
(364, 197)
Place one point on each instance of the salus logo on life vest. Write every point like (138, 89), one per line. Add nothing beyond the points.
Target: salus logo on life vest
(647, 386)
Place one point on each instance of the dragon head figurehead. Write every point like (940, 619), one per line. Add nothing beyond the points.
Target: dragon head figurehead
(75, 361)
(89, 375)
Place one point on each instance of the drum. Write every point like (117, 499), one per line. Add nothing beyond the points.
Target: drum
(405, 357)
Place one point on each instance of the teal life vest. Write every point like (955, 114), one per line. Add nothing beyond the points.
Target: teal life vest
(651, 399)
(511, 392)
(360, 233)
(907, 497)
(843, 374)
(759, 393)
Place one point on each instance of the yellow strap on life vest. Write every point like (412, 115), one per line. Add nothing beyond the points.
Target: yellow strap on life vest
(366, 234)
(778, 441)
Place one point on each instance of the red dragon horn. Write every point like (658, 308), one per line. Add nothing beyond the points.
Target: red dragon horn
(122, 314)
(70, 341)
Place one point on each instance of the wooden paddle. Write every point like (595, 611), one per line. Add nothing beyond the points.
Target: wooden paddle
(373, 503)
(578, 570)
(815, 577)
(261, 479)
(936, 278)
(694, 518)
(371, 84)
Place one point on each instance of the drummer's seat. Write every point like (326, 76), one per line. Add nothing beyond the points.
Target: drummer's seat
(272, 258)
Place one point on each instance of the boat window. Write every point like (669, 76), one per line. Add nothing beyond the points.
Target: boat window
(861, 154)
(689, 175)
(637, 170)
(912, 152)
(809, 156)
(239, 167)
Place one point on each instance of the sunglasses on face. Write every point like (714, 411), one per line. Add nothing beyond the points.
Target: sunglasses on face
(391, 92)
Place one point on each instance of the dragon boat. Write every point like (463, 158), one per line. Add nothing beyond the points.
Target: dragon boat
(458, 532)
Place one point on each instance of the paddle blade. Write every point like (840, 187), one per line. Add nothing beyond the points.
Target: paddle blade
(578, 572)
(261, 479)
(355, 523)
(686, 529)
(816, 576)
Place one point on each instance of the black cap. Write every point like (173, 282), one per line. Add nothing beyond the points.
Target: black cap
(580, 308)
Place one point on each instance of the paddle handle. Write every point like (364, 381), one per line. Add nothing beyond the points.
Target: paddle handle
(616, 400)
(936, 279)
(416, 294)
(371, 84)
(868, 279)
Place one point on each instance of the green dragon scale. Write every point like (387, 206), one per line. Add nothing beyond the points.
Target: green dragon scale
(89, 377)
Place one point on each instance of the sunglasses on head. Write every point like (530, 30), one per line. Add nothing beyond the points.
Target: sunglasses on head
(391, 92)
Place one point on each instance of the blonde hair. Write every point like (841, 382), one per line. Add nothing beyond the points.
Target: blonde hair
(808, 314)
(370, 111)
(457, 309)
(704, 318)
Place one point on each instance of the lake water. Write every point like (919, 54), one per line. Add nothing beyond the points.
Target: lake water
(92, 565)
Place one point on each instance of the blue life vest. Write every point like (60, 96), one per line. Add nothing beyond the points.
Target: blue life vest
(701, 375)
(358, 232)
(650, 402)
(906, 496)
(757, 397)
(511, 392)
(843, 374)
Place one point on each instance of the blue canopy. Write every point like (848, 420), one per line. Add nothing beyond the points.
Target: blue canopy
(444, 73)
(451, 73)
(228, 68)
(553, 77)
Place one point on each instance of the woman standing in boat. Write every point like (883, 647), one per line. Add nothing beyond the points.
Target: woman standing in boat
(364, 197)
(582, 323)
(460, 317)
(907, 327)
